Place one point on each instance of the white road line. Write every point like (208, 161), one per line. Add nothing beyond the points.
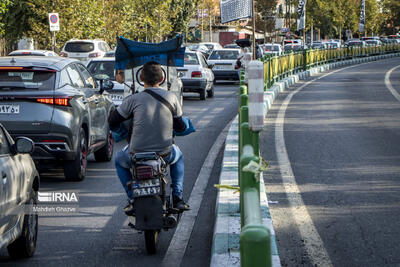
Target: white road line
(312, 240)
(389, 84)
(180, 240)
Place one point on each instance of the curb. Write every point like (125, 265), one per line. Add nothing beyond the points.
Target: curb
(225, 248)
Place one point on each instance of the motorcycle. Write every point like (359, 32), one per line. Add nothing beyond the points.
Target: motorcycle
(152, 206)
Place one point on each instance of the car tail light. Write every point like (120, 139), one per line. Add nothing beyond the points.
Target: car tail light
(53, 141)
(59, 101)
(96, 54)
(62, 54)
(196, 74)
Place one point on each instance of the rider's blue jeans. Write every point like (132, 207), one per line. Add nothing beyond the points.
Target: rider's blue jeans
(123, 163)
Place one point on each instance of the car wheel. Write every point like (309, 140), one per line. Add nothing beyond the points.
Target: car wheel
(203, 94)
(74, 170)
(106, 152)
(210, 93)
(25, 245)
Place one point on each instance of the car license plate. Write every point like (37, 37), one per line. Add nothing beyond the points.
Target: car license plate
(117, 97)
(9, 109)
(222, 67)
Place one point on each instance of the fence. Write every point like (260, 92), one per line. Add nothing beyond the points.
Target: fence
(279, 67)
(255, 244)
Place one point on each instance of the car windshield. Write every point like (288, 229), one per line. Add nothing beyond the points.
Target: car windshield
(26, 79)
(79, 47)
(194, 47)
(317, 45)
(293, 48)
(21, 54)
(102, 67)
(371, 42)
(355, 44)
(209, 46)
(220, 54)
(191, 59)
(333, 45)
(271, 48)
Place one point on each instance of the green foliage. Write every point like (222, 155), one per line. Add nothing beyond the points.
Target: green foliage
(334, 16)
(3, 10)
(150, 20)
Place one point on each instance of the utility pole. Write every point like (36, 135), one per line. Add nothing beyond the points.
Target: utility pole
(209, 15)
(253, 10)
(312, 32)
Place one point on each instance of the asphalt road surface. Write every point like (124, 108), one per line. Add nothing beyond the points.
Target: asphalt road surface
(334, 151)
(98, 234)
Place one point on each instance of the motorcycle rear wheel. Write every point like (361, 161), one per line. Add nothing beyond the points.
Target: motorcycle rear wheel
(151, 240)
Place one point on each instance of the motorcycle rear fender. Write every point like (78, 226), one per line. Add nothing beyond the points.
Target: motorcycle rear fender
(149, 213)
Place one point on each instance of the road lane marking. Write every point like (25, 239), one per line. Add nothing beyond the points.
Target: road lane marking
(180, 240)
(314, 245)
(389, 84)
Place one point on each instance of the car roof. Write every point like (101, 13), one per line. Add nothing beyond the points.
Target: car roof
(227, 49)
(32, 50)
(85, 40)
(57, 63)
(102, 59)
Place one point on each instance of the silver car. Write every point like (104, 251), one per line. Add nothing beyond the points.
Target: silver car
(105, 67)
(18, 190)
(58, 104)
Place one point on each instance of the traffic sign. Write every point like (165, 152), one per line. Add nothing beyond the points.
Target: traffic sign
(54, 22)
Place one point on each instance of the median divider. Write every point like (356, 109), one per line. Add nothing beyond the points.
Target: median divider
(243, 230)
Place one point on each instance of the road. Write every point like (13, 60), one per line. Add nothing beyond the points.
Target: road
(334, 150)
(99, 236)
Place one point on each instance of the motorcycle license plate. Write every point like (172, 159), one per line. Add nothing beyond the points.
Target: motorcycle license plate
(148, 187)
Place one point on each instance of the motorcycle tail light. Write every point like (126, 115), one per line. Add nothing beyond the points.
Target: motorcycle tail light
(144, 172)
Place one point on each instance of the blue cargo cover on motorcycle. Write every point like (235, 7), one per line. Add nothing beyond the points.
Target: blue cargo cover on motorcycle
(131, 54)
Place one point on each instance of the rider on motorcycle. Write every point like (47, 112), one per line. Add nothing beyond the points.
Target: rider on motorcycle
(153, 127)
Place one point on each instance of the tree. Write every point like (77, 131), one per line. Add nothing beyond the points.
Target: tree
(391, 16)
(266, 10)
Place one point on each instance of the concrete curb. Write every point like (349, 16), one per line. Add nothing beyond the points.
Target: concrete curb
(225, 248)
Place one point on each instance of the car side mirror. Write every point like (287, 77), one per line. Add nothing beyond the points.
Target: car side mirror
(24, 145)
(106, 85)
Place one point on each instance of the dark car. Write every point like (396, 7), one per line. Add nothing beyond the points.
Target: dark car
(58, 104)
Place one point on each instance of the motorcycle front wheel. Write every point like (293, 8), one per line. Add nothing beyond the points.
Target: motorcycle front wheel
(151, 240)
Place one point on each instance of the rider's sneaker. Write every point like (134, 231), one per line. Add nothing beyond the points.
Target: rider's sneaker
(129, 210)
(180, 204)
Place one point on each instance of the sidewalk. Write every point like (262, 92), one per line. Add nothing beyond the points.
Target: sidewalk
(225, 248)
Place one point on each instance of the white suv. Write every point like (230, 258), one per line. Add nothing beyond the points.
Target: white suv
(85, 49)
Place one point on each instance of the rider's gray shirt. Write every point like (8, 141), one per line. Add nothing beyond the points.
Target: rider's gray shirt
(152, 120)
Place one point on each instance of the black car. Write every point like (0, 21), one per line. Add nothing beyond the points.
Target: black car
(58, 104)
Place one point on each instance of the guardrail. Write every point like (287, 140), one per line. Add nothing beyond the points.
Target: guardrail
(279, 67)
(255, 243)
